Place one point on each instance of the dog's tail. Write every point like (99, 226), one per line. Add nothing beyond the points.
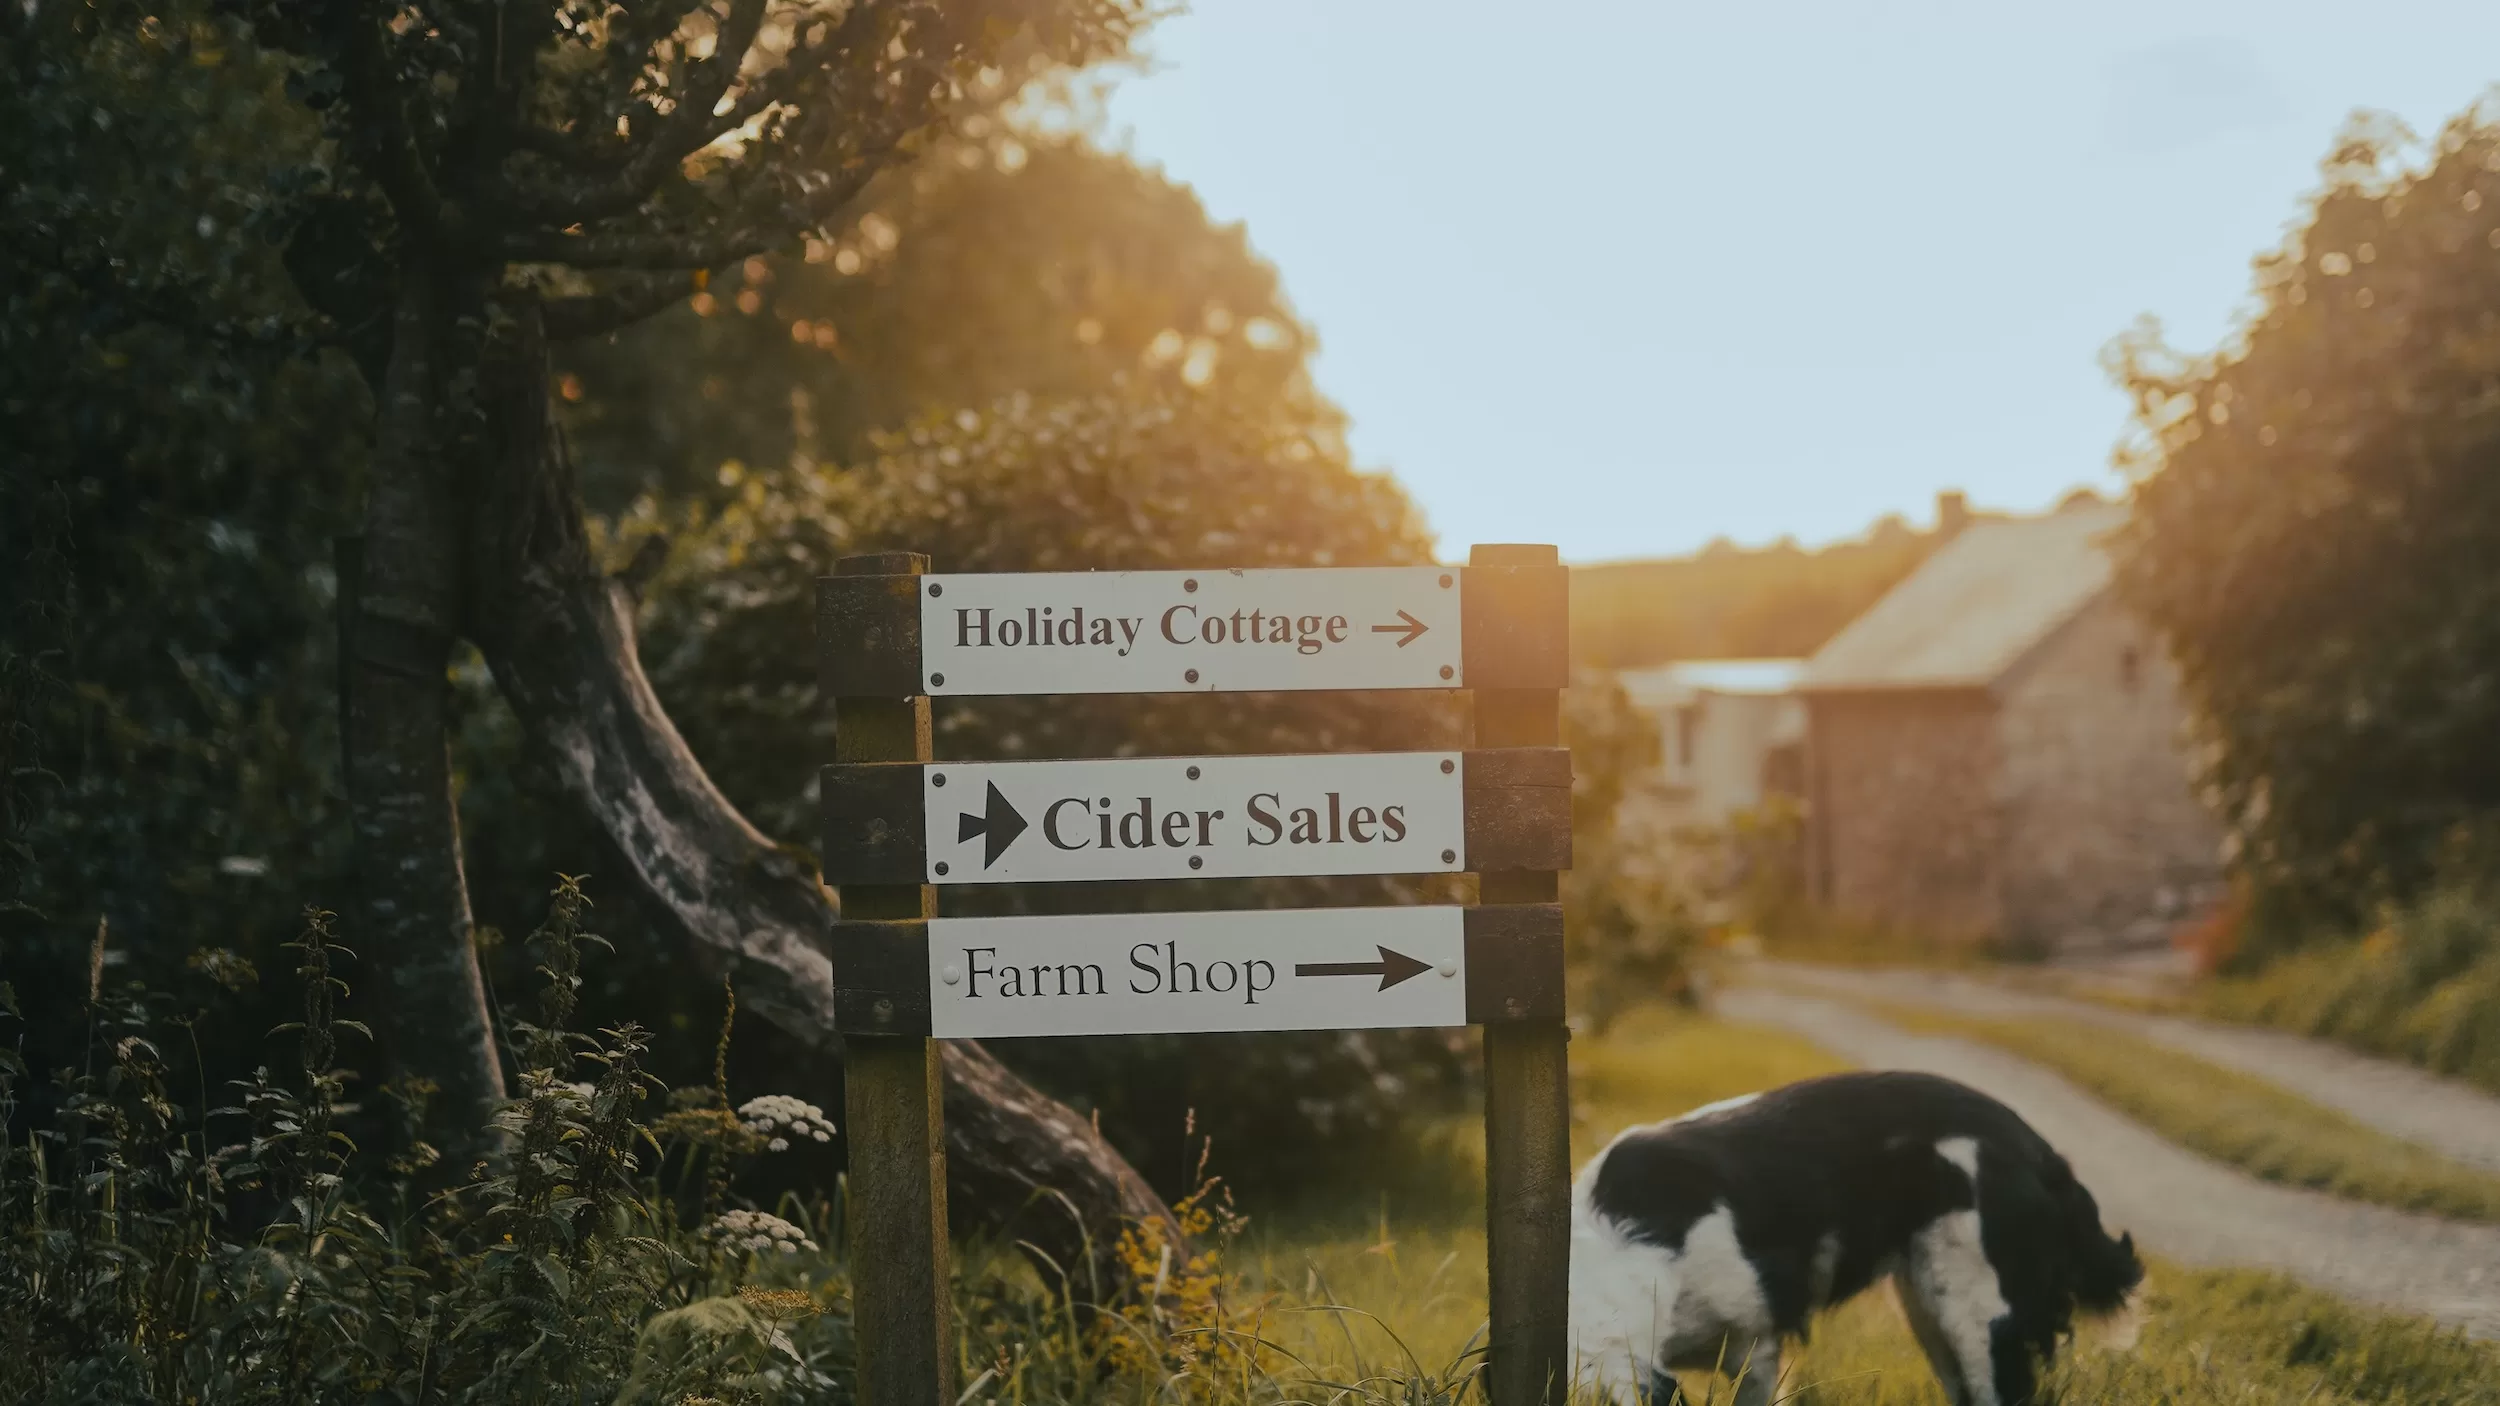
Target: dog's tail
(2105, 1270)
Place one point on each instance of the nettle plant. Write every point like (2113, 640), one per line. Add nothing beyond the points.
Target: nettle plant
(155, 1245)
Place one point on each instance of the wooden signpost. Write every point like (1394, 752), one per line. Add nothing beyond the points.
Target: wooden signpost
(890, 636)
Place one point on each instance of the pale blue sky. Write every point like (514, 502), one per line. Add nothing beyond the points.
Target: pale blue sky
(1629, 276)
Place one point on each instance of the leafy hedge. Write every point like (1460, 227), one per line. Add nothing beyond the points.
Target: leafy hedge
(160, 1243)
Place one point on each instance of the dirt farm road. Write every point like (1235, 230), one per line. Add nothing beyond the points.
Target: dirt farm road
(2459, 1121)
(2178, 1204)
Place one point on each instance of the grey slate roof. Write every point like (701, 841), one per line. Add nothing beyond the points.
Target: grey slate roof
(1973, 609)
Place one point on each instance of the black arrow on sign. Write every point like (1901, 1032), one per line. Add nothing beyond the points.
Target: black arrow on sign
(1392, 968)
(1412, 628)
(997, 820)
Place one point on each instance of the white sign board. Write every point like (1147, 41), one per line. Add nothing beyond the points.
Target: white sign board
(1178, 631)
(1195, 817)
(1158, 973)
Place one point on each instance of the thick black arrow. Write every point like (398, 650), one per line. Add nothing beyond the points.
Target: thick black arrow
(997, 820)
(1411, 627)
(1392, 968)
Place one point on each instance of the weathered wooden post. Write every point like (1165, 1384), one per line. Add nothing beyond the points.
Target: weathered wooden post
(895, 1201)
(1527, 1104)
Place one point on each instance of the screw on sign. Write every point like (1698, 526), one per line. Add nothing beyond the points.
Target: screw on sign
(896, 824)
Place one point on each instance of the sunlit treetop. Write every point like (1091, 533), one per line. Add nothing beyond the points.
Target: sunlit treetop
(2315, 512)
(606, 149)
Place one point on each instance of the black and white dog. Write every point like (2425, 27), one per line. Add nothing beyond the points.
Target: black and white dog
(1705, 1241)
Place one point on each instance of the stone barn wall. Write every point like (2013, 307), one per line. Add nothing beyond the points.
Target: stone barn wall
(2104, 842)
(1904, 829)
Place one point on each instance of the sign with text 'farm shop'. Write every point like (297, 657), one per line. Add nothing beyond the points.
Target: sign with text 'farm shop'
(1184, 631)
(1157, 973)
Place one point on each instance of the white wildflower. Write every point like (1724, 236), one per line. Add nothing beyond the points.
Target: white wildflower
(780, 1113)
(757, 1232)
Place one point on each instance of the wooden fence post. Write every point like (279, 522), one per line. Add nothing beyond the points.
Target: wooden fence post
(896, 1196)
(1527, 1118)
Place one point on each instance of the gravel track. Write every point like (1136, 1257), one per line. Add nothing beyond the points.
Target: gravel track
(2454, 1119)
(2177, 1204)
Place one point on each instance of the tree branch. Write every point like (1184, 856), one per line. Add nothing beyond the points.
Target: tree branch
(559, 636)
(641, 165)
(766, 224)
(630, 300)
(115, 305)
(394, 155)
(690, 120)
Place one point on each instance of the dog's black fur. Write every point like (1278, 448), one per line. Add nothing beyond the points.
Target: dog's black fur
(1831, 1184)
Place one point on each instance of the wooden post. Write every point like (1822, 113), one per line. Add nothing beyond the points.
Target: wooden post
(1527, 1118)
(896, 1200)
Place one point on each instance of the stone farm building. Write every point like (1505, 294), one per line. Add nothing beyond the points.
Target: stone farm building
(1995, 752)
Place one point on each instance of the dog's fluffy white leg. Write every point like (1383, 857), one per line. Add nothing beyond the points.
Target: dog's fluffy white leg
(1931, 1337)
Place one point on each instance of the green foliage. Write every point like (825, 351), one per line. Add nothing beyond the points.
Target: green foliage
(166, 669)
(1761, 854)
(2315, 510)
(1632, 912)
(145, 1256)
(2424, 987)
(1007, 261)
(156, 1247)
(177, 457)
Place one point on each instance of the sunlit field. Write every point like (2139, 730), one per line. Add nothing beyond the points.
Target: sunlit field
(1384, 1301)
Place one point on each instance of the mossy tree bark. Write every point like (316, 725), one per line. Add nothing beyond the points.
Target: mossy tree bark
(400, 605)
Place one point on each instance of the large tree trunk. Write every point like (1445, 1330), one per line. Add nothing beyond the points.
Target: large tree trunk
(559, 635)
(400, 602)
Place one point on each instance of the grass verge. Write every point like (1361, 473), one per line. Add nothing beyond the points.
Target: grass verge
(1417, 1284)
(2406, 992)
(2205, 1336)
(2259, 1127)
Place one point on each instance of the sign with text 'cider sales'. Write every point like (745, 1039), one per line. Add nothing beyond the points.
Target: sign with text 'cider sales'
(1179, 631)
(1195, 817)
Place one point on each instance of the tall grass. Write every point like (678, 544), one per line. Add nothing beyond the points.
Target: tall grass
(2200, 1338)
(2425, 987)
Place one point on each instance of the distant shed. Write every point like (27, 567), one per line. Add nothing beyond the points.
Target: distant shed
(1995, 750)
(1730, 731)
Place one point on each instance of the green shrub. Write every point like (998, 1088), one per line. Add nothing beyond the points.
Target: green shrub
(155, 1245)
(1632, 901)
